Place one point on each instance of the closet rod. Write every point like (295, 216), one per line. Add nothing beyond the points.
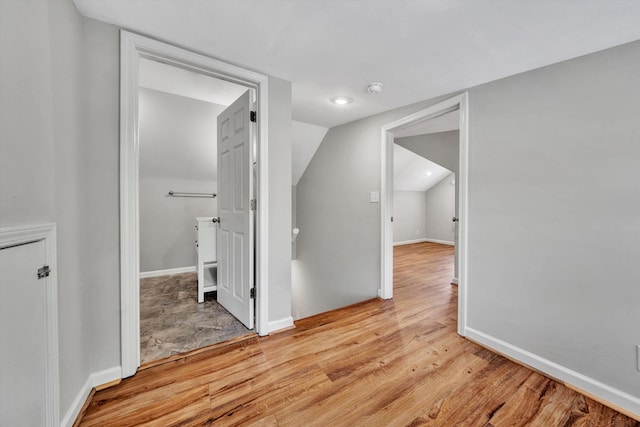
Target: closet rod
(178, 194)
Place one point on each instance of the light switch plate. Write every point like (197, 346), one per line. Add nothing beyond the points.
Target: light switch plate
(375, 197)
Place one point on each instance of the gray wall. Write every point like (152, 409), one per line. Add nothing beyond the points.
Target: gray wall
(440, 202)
(59, 162)
(177, 152)
(440, 147)
(100, 178)
(294, 221)
(279, 199)
(58, 115)
(409, 215)
(554, 214)
(167, 234)
(338, 249)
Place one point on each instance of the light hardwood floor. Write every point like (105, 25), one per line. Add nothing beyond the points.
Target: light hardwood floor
(377, 363)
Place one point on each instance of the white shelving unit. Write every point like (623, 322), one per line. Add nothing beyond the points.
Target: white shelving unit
(206, 231)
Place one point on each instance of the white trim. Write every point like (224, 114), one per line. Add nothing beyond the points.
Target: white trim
(276, 325)
(105, 376)
(385, 291)
(132, 47)
(47, 234)
(441, 242)
(94, 380)
(409, 242)
(167, 272)
(425, 239)
(607, 393)
(77, 404)
(454, 281)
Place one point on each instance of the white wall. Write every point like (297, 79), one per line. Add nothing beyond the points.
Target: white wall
(409, 216)
(440, 203)
(177, 152)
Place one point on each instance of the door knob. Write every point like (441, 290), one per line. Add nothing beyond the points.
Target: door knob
(455, 219)
(216, 219)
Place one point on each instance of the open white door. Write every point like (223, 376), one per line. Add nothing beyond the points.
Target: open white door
(235, 235)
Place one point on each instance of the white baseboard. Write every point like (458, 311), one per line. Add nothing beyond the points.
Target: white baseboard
(156, 273)
(442, 242)
(276, 325)
(409, 242)
(622, 401)
(94, 380)
(426, 239)
(106, 376)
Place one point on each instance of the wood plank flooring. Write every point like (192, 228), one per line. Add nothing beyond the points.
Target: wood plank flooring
(377, 363)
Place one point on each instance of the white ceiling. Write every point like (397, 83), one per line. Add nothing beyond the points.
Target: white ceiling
(178, 81)
(418, 49)
(412, 172)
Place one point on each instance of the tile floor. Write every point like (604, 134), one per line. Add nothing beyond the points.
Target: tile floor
(172, 321)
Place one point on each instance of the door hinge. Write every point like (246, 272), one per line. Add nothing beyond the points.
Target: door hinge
(391, 219)
(253, 116)
(254, 204)
(252, 293)
(44, 272)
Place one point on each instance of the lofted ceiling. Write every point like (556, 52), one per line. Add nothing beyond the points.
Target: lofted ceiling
(419, 49)
(412, 172)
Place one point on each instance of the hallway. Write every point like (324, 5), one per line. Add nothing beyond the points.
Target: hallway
(377, 363)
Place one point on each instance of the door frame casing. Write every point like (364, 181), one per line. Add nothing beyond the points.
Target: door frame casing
(132, 48)
(11, 236)
(458, 102)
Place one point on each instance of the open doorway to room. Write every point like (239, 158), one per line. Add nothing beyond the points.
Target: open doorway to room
(242, 178)
(425, 158)
(178, 111)
(424, 166)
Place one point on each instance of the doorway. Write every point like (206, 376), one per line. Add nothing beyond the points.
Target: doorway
(134, 49)
(181, 307)
(458, 103)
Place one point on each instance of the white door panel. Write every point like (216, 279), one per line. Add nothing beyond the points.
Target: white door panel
(235, 235)
(23, 339)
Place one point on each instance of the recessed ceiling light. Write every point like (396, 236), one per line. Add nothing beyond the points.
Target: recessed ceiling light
(341, 100)
(428, 173)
